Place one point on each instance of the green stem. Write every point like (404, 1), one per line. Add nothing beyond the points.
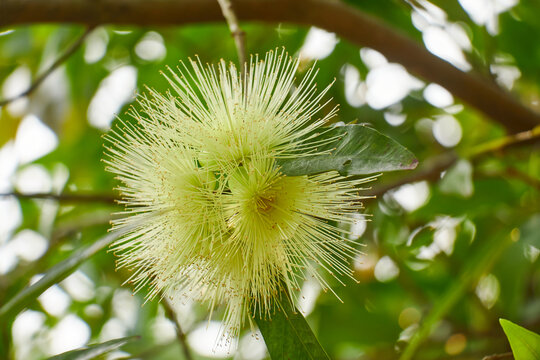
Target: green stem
(486, 255)
(5, 338)
(500, 143)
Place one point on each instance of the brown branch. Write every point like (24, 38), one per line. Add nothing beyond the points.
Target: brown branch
(65, 198)
(346, 21)
(69, 51)
(169, 311)
(238, 34)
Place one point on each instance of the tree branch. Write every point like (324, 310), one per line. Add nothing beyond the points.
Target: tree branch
(66, 198)
(238, 34)
(346, 21)
(72, 49)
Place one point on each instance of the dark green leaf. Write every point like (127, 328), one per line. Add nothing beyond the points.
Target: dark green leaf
(525, 344)
(92, 351)
(288, 336)
(359, 150)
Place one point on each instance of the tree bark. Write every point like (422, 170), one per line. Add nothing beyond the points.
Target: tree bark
(347, 22)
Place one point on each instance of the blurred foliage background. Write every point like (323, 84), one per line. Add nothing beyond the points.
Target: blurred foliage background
(449, 248)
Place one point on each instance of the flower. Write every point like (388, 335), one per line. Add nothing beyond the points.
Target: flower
(210, 215)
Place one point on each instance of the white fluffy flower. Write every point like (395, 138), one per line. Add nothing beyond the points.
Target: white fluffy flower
(213, 217)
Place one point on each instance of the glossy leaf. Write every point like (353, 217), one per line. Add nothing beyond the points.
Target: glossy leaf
(288, 336)
(358, 150)
(525, 344)
(91, 351)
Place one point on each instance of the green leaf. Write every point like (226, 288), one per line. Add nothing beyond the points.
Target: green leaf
(358, 150)
(458, 180)
(288, 336)
(525, 344)
(56, 274)
(91, 351)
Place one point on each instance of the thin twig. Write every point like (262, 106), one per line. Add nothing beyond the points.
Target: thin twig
(506, 355)
(169, 311)
(431, 171)
(70, 51)
(238, 34)
(506, 141)
(432, 168)
(65, 198)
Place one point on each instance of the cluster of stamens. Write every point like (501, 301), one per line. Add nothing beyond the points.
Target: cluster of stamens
(210, 215)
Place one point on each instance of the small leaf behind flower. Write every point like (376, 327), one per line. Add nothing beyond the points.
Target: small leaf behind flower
(358, 150)
(525, 344)
(288, 336)
(92, 351)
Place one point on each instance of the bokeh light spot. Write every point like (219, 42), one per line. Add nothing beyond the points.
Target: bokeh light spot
(455, 344)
